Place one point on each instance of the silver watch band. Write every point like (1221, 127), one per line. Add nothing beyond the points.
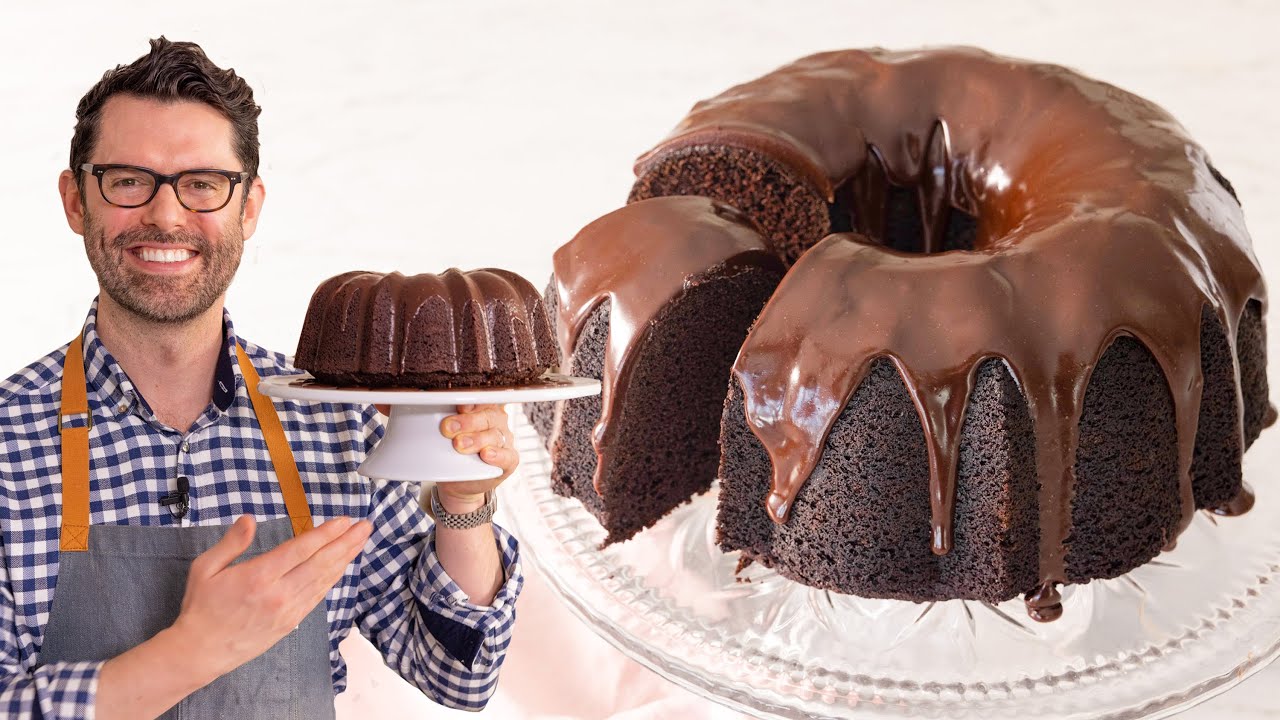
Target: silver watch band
(460, 521)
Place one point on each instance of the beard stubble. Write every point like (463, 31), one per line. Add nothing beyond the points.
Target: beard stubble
(164, 299)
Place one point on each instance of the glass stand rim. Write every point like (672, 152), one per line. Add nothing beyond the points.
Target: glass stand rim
(1140, 646)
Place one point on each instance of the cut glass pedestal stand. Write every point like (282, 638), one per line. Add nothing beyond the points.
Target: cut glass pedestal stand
(1188, 625)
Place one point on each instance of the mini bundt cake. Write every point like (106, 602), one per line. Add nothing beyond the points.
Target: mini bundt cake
(654, 300)
(1020, 345)
(456, 329)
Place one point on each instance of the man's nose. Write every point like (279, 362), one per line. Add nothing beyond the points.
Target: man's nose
(164, 211)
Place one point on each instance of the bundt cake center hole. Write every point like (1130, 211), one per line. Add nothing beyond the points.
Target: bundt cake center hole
(901, 224)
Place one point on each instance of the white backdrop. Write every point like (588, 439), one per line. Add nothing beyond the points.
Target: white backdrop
(420, 136)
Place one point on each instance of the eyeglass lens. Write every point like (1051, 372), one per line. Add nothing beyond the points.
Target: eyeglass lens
(196, 190)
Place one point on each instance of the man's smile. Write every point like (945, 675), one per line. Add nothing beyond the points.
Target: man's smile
(163, 258)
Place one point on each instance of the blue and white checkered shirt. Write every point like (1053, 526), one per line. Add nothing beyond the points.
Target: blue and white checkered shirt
(395, 591)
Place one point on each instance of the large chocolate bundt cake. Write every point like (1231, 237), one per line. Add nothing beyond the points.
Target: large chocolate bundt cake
(456, 329)
(1031, 349)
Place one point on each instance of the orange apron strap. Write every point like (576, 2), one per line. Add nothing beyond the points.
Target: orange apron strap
(75, 452)
(295, 500)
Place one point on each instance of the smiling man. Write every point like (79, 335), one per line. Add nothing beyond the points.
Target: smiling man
(172, 543)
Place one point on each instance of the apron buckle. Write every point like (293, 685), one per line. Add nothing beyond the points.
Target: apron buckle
(88, 420)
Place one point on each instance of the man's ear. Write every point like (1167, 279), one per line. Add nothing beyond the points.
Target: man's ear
(72, 201)
(257, 193)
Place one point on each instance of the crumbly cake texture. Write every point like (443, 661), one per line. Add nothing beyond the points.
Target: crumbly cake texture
(669, 452)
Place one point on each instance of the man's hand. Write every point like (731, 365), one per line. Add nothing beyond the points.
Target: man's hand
(482, 429)
(234, 613)
(470, 557)
(476, 429)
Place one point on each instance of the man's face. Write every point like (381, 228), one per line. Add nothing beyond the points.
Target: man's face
(161, 261)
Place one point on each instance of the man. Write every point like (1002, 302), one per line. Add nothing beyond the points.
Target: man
(156, 549)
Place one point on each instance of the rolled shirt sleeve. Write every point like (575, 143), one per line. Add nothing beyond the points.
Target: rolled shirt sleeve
(61, 691)
(425, 626)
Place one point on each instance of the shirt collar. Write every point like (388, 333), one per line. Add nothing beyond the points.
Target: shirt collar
(104, 375)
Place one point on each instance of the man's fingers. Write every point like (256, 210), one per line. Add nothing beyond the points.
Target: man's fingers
(467, 422)
(296, 550)
(505, 458)
(232, 545)
(471, 443)
(314, 577)
(474, 418)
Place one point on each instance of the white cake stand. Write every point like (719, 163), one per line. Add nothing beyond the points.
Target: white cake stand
(413, 449)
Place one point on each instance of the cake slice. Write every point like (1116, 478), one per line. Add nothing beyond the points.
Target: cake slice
(654, 300)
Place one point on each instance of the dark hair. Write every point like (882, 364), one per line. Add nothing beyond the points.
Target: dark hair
(172, 71)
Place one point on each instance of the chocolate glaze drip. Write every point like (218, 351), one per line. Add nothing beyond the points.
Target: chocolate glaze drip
(640, 259)
(1238, 505)
(1044, 604)
(1097, 217)
(368, 322)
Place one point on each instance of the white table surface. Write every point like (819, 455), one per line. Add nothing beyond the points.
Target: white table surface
(428, 135)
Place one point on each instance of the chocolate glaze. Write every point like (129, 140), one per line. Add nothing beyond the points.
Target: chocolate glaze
(1097, 217)
(1238, 505)
(1044, 604)
(481, 321)
(640, 259)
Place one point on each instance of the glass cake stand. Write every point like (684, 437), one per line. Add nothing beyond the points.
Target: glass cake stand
(1188, 625)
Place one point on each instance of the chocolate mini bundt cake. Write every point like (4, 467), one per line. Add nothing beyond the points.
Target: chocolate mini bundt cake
(629, 292)
(1021, 343)
(456, 329)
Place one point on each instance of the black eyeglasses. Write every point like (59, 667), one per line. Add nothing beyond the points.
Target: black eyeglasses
(130, 186)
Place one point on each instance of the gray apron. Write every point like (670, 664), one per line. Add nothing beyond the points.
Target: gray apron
(119, 585)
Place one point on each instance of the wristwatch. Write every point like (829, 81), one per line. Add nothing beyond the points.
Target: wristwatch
(460, 521)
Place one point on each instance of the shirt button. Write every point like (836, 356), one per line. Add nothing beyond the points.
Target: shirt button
(185, 447)
(122, 407)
